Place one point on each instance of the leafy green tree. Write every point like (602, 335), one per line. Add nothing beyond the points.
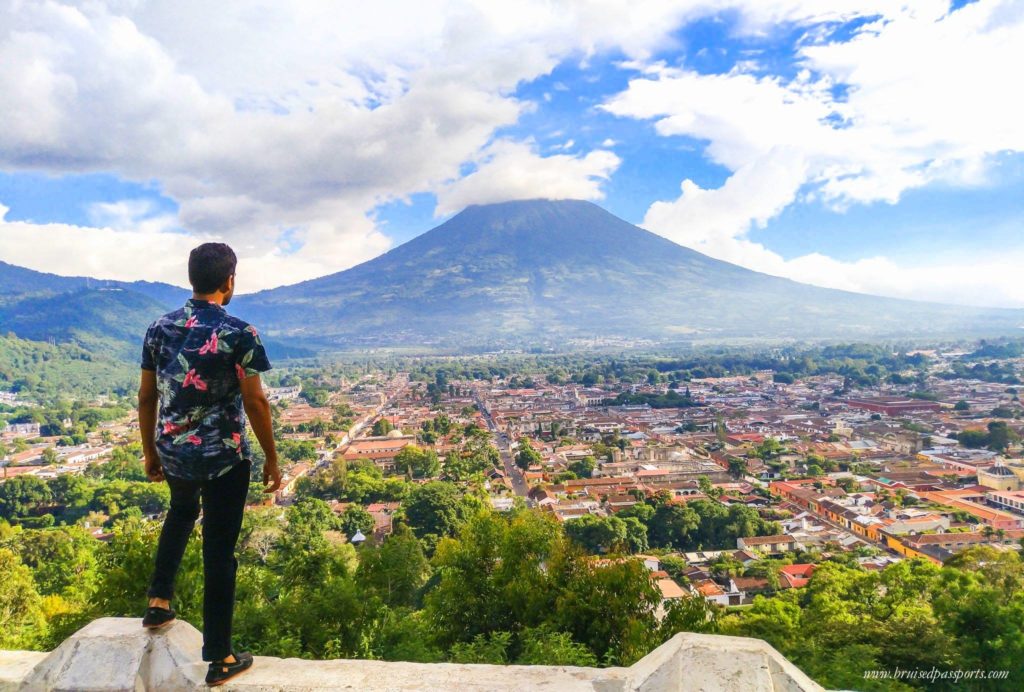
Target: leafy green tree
(596, 534)
(22, 620)
(125, 464)
(297, 450)
(434, 508)
(62, 560)
(737, 467)
(636, 535)
(382, 427)
(496, 576)
(973, 439)
(543, 646)
(688, 614)
(407, 635)
(1000, 436)
(672, 525)
(485, 648)
(609, 608)
(418, 462)
(527, 456)
(124, 567)
(583, 468)
(477, 456)
(21, 495)
(396, 570)
(356, 518)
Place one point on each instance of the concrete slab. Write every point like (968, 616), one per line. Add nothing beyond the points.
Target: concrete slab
(118, 655)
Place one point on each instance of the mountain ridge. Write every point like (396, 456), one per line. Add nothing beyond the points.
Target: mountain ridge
(548, 270)
(512, 274)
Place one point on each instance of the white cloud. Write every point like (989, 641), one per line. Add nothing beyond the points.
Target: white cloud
(514, 170)
(924, 99)
(103, 252)
(280, 125)
(130, 214)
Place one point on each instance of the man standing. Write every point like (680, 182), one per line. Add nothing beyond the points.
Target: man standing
(200, 379)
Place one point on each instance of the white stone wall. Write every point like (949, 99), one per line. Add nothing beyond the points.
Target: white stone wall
(118, 655)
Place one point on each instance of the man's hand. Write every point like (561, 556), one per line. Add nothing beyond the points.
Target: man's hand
(257, 408)
(154, 471)
(271, 477)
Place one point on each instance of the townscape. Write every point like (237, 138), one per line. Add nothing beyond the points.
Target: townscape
(728, 490)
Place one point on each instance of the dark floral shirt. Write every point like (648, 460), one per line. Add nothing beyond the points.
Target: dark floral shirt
(200, 354)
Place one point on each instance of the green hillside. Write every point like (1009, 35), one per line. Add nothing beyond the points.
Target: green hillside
(42, 371)
(109, 321)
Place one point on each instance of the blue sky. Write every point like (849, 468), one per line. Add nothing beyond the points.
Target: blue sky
(836, 143)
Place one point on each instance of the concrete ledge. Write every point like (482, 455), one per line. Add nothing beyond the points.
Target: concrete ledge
(15, 666)
(118, 655)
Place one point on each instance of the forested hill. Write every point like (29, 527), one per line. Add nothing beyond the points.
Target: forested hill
(46, 371)
(107, 319)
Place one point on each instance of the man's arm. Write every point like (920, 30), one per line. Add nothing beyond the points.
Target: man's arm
(257, 409)
(148, 399)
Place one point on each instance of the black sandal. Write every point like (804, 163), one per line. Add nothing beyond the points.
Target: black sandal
(157, 617)
(220, 672)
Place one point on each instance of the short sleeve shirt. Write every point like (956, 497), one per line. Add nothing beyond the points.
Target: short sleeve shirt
(200, 355)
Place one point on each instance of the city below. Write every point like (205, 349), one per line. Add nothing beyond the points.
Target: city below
(733, 491)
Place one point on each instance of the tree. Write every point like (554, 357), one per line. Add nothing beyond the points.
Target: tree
(542, 646)
(636, 535)
(485, 648)
(382, 427)
(961, 406)
(597, 534)
(396, 570)
(583, 468)
(21, 495)
(999, 436)
(50, 456)
(973, 439)
(768, 449)
(609, 608)
(434, 508)
(689, 614)
(297, 450)
(21, 609)
(672, 525)
(527, 456)
(514, 555)
(356, 518)
(418, 462)
(737, 467)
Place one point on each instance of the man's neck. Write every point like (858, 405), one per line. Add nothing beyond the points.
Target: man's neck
(215, 298)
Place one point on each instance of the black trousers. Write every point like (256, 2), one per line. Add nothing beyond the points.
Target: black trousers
(223, 502)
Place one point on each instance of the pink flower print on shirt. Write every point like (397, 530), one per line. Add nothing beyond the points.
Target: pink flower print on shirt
(210, 346)
(194, 439)
(192, 379)
(191, 322)
(172, 428)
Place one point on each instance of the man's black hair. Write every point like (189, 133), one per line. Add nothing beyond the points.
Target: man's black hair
(209, 266)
